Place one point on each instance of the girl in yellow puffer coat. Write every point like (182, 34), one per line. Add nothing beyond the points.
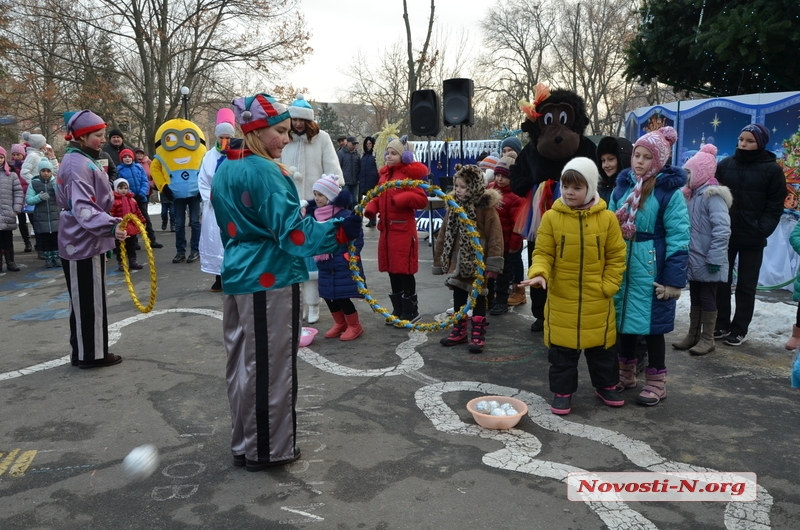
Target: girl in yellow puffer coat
(579, 259)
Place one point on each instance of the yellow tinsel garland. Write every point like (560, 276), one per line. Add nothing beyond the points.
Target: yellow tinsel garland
(151, 260)
(465, 221)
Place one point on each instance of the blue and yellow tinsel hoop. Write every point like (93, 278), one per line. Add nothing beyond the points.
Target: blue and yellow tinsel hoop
(466, 222)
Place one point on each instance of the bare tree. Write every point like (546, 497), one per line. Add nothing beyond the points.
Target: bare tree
(160, 45)
(588, 56)
(416, 66)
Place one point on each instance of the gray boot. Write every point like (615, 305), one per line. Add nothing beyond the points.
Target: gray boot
(706, 344)
(693, 336)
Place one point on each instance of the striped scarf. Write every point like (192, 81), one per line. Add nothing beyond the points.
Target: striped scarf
(626, 214)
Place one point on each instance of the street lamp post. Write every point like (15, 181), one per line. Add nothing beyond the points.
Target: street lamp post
(185, 98)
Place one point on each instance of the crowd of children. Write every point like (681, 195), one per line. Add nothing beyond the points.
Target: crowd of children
(625, 233)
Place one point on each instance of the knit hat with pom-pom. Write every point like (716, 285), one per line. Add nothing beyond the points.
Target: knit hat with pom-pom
(44, 163)
(702, 166)
(301, 109)
(402, 146)
(37, 141)
(258, 112)
(328, 185)
(18, 148)
(659, 143)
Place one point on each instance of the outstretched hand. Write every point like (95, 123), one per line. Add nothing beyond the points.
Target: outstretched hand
(537, 281)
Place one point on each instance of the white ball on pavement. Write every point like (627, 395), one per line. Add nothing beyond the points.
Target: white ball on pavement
(141, 462)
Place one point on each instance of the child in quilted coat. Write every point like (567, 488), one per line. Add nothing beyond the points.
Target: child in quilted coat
(579, 258)
(398, 244)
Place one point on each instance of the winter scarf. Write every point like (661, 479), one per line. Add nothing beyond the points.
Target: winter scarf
(323, 213)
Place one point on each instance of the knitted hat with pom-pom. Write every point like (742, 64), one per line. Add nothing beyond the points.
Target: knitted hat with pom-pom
(659, 143)
(37, 141)
(259, 111)
(702, 167)
(301, 109)
(328, 185)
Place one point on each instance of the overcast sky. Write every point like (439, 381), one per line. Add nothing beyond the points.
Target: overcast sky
(338, 30)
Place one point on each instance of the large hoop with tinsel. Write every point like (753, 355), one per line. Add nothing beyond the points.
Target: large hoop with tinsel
(466, 223)
(151, 260)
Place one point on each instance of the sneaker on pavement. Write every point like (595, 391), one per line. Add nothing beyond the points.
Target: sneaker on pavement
(721, 333)
(178, 258)
(156, 244)
(499, 309)
(735, 340)
(194, 256)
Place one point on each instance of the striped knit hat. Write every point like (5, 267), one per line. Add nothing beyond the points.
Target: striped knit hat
(259, 111)
(328, 185)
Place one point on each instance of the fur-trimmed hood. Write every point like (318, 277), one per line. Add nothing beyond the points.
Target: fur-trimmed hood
(710, 190)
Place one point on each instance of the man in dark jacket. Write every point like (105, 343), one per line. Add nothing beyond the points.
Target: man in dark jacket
(115, 145)
(350, 161)
(758, 186)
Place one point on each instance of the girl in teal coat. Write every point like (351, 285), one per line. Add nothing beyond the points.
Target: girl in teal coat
(655, 223)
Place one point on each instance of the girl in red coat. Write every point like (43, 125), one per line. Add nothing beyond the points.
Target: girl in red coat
(398, 245)
(124, 203)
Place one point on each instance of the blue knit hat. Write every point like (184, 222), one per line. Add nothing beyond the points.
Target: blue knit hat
(302, 109)
(44, 163)
(513, 142)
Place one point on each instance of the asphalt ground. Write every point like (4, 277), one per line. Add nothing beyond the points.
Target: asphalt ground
(387, 441)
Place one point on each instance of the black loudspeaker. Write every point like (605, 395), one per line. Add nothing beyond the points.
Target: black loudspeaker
(425, 113)
(457, 102)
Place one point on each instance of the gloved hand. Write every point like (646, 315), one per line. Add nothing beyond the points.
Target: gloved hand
(166, 192)
(139, 198)
(490, 274)
(713, 269)
(352, 226)
(44, 195)
(666, 292)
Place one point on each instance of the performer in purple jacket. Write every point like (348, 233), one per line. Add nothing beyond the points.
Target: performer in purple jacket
(86, 232)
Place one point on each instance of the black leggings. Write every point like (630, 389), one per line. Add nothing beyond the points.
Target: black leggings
(460, 297)
(403, 283)
(343, 304)
(656, 350)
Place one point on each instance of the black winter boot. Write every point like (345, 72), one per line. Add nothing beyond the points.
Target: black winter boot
(397, 305)
(410, 312)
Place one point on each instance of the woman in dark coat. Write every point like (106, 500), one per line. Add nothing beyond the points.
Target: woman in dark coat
(368, 175)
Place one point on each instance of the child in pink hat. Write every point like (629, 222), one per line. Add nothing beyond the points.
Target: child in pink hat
(708, 204)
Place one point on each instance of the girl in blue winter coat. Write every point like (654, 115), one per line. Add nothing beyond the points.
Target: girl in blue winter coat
(655, 224)
(336, 285)
(708, 204)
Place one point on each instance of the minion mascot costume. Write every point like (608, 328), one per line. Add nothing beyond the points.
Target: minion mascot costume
(180, 147)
